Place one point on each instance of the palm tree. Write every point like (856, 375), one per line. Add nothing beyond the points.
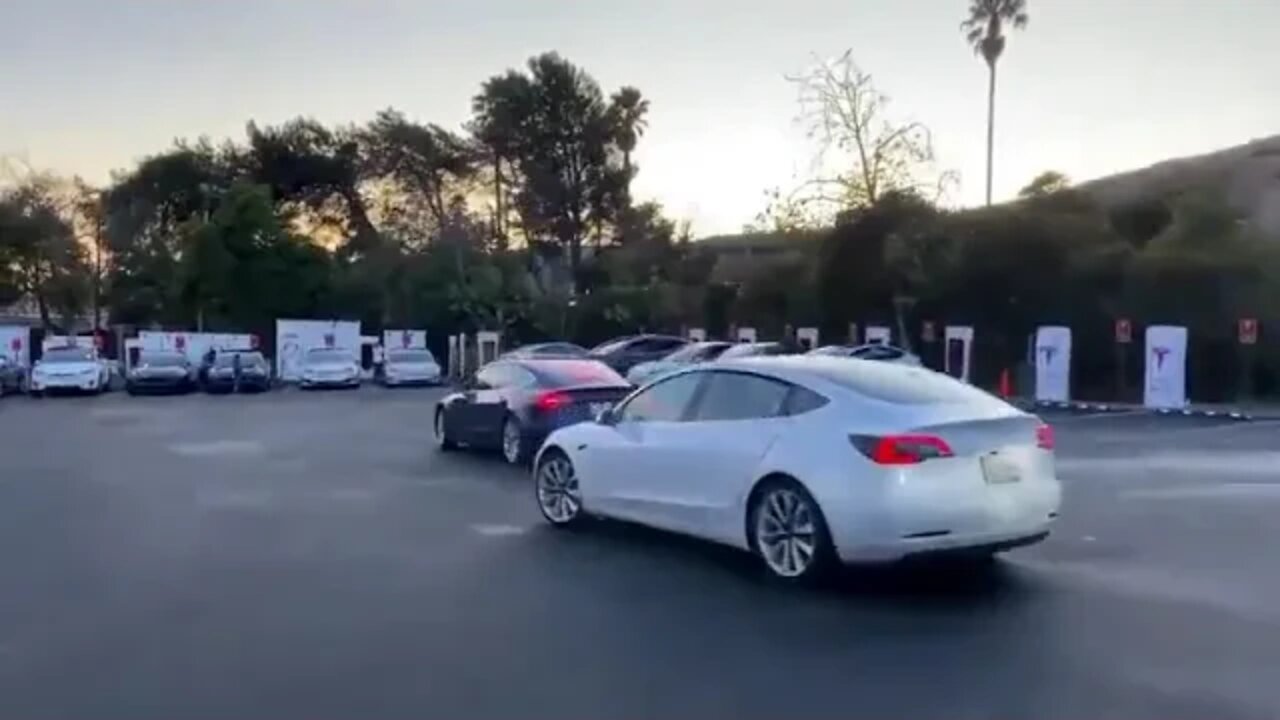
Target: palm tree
(628, 111)
(984, 29)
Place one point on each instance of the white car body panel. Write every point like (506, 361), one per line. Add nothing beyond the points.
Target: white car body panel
(330, 373)
(697, 477)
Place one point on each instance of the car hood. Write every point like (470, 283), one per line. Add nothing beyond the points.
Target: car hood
(69, 368)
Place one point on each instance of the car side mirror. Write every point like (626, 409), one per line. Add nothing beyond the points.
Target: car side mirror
(606, 416)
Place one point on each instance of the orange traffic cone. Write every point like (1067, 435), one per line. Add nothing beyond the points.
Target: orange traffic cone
(1006, 384)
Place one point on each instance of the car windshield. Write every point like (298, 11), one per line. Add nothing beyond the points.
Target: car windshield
(68, 355)
(410, 356)
(229, 359)
(901, 384)
(315, 357)
(569, 373)
(696, 351)
(161, 360)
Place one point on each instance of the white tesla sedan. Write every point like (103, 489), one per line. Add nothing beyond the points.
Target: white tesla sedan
(808, 461)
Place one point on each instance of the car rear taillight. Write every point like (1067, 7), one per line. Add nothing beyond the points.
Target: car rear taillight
(551, 401)
(1044, 436)
(901, 449)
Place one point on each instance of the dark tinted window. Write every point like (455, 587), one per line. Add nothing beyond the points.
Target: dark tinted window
(901, 384)
(665, 401)
(696, 352)
(570, 373)
(739, 396)
(878, 352)
(610, 346)
(71, 355)
(802, 400)
(834, 350)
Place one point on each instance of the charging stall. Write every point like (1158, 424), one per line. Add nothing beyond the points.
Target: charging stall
(957, 360)
(878, 334)
(1165, 382)
(1053, 363)
(295, 337)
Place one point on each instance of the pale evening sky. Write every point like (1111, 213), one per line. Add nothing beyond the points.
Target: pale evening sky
(1091, 87)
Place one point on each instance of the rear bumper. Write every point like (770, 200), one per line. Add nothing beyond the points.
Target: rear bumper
(226, 385)
(419, 381)
(944, 545)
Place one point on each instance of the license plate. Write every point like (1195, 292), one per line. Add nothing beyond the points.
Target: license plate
(1000, 470)
(599, 407)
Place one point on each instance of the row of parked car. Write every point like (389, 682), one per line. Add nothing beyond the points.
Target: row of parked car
(642, 357)
(80, 370)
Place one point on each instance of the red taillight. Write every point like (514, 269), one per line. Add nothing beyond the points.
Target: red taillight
(901, 449)
(1044, 437)
(551, 401)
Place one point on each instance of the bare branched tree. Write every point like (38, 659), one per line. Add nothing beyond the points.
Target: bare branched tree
(862, 153)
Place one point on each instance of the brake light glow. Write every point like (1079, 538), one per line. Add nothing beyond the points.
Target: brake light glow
(1044, 437)
(551, 401)
(901, 449)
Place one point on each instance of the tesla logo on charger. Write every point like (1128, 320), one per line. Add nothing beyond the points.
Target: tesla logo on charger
(180, 342)
(1160, 354)
(406, 339)
(1048, 351)
(328, 340)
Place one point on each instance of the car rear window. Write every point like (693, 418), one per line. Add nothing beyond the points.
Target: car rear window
(568, 373)
(901, 384)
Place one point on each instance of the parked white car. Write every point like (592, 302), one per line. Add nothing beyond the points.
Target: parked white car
(70, 369)
(410, 367)
(330, 367)
(810, 461)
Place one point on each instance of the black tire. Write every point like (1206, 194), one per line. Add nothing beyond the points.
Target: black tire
(822, 557)
(543, 492)
(521, 455)
(443, 441)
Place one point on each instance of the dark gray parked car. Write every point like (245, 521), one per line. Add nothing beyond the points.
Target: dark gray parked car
(622, 354)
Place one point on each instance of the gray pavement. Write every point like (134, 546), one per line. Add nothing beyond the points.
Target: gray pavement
(300, 555)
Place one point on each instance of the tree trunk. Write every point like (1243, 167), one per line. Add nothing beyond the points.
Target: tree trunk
(991, 124)
(499, 232)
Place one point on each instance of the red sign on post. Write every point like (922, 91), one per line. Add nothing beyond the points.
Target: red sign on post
(1124, 331)
(1247, 329)
(929, 331)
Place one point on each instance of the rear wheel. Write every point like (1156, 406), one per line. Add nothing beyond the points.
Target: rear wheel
(788, 532)
(443, 441)
(514, 447)
(556, 485)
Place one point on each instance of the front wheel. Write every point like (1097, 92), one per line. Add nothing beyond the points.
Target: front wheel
(557, 489)
(788, 532)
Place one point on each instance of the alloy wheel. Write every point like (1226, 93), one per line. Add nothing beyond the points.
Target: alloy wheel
(559, 498)
(512, 445)
(787, 532)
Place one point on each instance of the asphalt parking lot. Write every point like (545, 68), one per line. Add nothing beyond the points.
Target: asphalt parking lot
(299, 555)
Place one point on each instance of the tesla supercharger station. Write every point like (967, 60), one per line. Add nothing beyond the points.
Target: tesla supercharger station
(1053, 363)
(959, 351)
(488, 346)
(807, 337)
(878, 334)
(746, 335)
(15, 344)
(697, 334)
(1165, 381)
